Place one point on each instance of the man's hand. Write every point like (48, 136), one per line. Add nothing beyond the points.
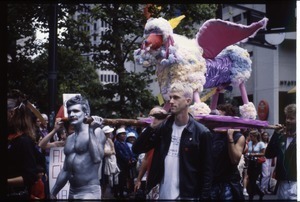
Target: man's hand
(137, 185)
(60, 143)
(279, 128)
(58, 124)
(97, 120)
(159, 115)
(52, 196)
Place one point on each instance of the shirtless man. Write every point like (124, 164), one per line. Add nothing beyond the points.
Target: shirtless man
(84, 151)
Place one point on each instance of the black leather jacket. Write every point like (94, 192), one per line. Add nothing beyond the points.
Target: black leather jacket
(195, 156)
(286, 163)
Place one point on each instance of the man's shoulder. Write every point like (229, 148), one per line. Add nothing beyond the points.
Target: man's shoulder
(199, 125)
(70, 138)
(117, 142)
(99, 133)
(237, 134)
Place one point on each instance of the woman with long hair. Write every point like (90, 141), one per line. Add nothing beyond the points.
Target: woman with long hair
(266, 166)
(256, 148)
(21, 161)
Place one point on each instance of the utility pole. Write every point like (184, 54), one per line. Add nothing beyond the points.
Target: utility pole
(52, 76)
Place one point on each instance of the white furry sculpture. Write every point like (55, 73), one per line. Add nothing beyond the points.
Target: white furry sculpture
(209, 60)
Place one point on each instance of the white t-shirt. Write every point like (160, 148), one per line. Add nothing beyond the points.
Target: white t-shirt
(169, 186)
(288, 141)
(257, 148)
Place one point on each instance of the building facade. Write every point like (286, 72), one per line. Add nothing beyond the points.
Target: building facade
(273, 60)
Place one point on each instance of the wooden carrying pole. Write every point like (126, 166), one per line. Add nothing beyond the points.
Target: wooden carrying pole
(208, 123)
(132, 122)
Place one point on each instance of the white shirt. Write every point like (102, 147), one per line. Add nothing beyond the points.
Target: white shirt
(169, 186)
(288, 141)
(256, 148)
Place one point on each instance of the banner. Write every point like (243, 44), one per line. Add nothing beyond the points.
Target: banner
(56, 163)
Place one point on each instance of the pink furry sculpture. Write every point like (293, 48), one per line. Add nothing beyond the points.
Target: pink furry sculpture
(206, 61)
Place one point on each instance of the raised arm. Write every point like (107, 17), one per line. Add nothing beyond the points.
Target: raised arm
(235, 150)
(45, 142)
(146, 139)
(273, 146)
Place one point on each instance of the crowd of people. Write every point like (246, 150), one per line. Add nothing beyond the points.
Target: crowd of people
(173, 158)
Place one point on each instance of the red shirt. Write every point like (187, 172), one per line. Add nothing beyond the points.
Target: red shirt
(149, 159)
(37, 190)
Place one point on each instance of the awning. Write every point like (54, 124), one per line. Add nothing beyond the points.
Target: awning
(293, 90)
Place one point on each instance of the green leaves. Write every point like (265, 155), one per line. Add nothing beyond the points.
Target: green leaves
(124, 27)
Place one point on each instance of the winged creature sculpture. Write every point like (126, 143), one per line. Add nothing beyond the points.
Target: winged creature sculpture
(209, 60)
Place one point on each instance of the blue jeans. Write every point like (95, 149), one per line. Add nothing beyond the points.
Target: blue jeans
(221, 191)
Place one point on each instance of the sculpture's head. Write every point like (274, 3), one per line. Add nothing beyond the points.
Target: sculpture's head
(156, 33)
(158, 38)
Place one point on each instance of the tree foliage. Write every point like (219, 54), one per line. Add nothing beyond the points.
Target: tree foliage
(127, 98)
(75, 75)
(125, 26)
(195, 14)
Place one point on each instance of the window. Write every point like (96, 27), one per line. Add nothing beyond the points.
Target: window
(108, 78)
(237, 18)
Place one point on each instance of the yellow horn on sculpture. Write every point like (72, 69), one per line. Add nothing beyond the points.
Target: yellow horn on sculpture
(175, 21)
(208, 95)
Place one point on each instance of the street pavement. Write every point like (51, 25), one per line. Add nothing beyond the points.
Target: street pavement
(109, 196)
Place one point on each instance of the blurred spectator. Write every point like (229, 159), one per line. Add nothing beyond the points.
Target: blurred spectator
(45, 143)
(131, 138)
(21, 162)
(61, 132)
(143, 170)
(125, 160)
(110, 170)
(266, 167)
(245, 178)
(283, 146)
(41, 132)
(256, 148)
(37, 190)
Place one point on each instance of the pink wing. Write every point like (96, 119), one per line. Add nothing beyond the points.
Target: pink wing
(215, 35)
